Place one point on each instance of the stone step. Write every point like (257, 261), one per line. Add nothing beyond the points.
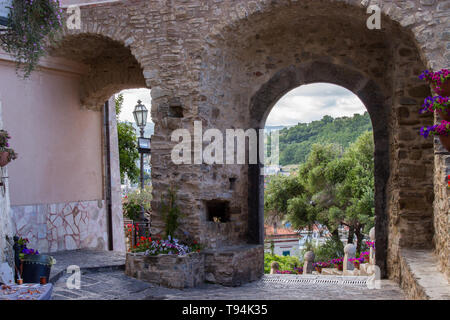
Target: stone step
(426, 280)
(86, 260)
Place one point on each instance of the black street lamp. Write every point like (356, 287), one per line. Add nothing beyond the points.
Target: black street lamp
(140, 114)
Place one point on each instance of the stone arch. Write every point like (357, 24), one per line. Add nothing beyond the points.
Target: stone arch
(264, 45)
(373, 98)
(111, 66)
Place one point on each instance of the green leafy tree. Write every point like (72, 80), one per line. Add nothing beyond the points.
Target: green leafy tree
(356, 191)
(332, 187)
(128, 149)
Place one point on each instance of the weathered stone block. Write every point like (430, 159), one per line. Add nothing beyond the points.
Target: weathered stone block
(167, 270)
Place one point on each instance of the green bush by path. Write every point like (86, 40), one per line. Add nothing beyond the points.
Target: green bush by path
(285, 262)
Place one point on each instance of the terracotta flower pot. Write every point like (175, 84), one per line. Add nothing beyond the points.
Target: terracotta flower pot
(445, 89)
(445, 140)
(445, 116)
(4, 158)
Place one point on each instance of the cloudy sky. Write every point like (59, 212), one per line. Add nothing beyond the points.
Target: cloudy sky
(313, 101)
(303, 104)
(130, 98)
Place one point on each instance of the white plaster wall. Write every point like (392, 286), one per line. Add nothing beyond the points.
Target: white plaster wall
(116, 194)
(5, 218)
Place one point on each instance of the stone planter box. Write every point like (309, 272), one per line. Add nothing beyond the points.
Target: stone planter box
(167, 270)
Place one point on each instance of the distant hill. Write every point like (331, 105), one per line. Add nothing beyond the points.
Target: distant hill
(296, 141)
(273, 128)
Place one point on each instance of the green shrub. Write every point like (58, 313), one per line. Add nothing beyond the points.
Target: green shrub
(133, 201)
(285, 262)
(331, 249)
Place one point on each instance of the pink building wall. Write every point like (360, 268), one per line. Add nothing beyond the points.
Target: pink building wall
(54, 138)
(56, 184)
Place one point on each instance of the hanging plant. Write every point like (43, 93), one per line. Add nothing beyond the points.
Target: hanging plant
(439, 81)
(437, 104)
(442, 130)
(30, 23)
(7, 154)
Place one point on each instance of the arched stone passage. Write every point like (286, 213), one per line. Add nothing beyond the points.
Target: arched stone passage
(239, 46)
(374, 100)
(250, 61)
(111, 66)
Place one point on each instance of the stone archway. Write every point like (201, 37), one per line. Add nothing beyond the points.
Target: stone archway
(266, 50)
(213, 73)
(98, 67)
(112, 67)
(374, 100)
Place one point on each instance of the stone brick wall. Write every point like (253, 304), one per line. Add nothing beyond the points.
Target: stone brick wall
(441, 210)
(234, 266)
(211, 58)
(167, 270)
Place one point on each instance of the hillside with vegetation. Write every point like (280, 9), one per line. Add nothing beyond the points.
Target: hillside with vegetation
(296, 141)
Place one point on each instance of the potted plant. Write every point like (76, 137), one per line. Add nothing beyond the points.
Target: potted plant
(442, 130)
(438, 104)
(30, 24)
(7, 154)
(33, 265)
(438, 80)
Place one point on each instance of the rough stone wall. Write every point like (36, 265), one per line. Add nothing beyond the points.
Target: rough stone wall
(167, 270)
(209, 58)
(441, 209)
(234, 266)
(411, 181)
(6, 230)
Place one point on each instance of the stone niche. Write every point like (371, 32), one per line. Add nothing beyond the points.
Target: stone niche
(167, 270)
(218, 210)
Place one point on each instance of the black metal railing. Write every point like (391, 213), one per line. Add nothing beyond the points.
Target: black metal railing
(134, 230)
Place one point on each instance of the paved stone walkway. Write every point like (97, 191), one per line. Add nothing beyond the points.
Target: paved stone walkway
(94, 260)
(114, 285)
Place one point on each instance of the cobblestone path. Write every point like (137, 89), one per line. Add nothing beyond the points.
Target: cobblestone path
(115, 285)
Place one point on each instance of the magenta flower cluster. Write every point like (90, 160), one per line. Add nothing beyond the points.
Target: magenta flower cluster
(370, 244)
(438, 103)
(24, 250)
(437, 79)
(441, 129)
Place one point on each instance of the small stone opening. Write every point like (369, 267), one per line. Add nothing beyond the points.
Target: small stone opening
(175, 112)
(175, 108)
(218, 210)
(232, 183)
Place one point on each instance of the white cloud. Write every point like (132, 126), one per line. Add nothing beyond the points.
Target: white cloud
(130, 98)
(313, 101)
